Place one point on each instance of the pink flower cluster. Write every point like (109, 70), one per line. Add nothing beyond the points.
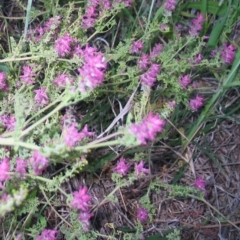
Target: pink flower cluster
(122, 168)
(142, 214)
(150, 77)
(228, 53)
(4, 169)
(136, 47)
(64, 45)
(47, 234)
(196, 25)
(140, 169)
(143, 62)
(41, 97)
(184, 80)
(21, 166)
(81, 202)
(51, 25)
(200, 184)
(196, 103)
(148, 128)
(8, 121)
(28, 75)
(3, 83)
(170, 5)
(72, 136)
(62, 80)
(91, 74)
(156, 51)
(39, 163)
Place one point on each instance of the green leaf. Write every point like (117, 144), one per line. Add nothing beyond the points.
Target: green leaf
(211, 7)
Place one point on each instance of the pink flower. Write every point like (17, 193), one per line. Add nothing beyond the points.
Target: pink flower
(4, 169)
(184, 81)
(63, 45)
(85, 133)
(150, 77)
(21, 165)
(196, 25)
(8, 121)
(142, 214)
(143, 62)
(28, 75)
(89, 18)
(136, 47)
(81, 200)
(62, 80)
(196, 103)
(200, 184)
(170, 5)
(84, 218)
(41, 97)
(198, 58)
(72, 136)
(47, 234)
(172, 104)
(228, 53)
(39, 163)
(52, 23)
(139, 169)
(91, 74)
(148, 128)
(157, 49)
(122, 167)
(3, 84)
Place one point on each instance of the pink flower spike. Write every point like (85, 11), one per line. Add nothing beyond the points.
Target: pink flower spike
(8, 121)
(170, 5)
(85, 133)
(81, 199)
(150, 77)
(62, 80)
(196, 103)
(122, 167)
(185, 81)
(156, 51)
(21, 165)
(148, 128)
(72, 136)
(63, 45)
(139, 169)
(142, 214)
(196, 25)
(3, 84)
(143, 62)
(28, 75)
(41, 97)
(84, 218)
(228, 53)
(4, 169)
(200, 184)
(39, 163)
(47, 234)
(136, 47)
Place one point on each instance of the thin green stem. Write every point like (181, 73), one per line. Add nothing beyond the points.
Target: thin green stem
(12, 142)
(59, 107)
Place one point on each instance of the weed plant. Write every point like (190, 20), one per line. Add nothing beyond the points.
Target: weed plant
(92, 81)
